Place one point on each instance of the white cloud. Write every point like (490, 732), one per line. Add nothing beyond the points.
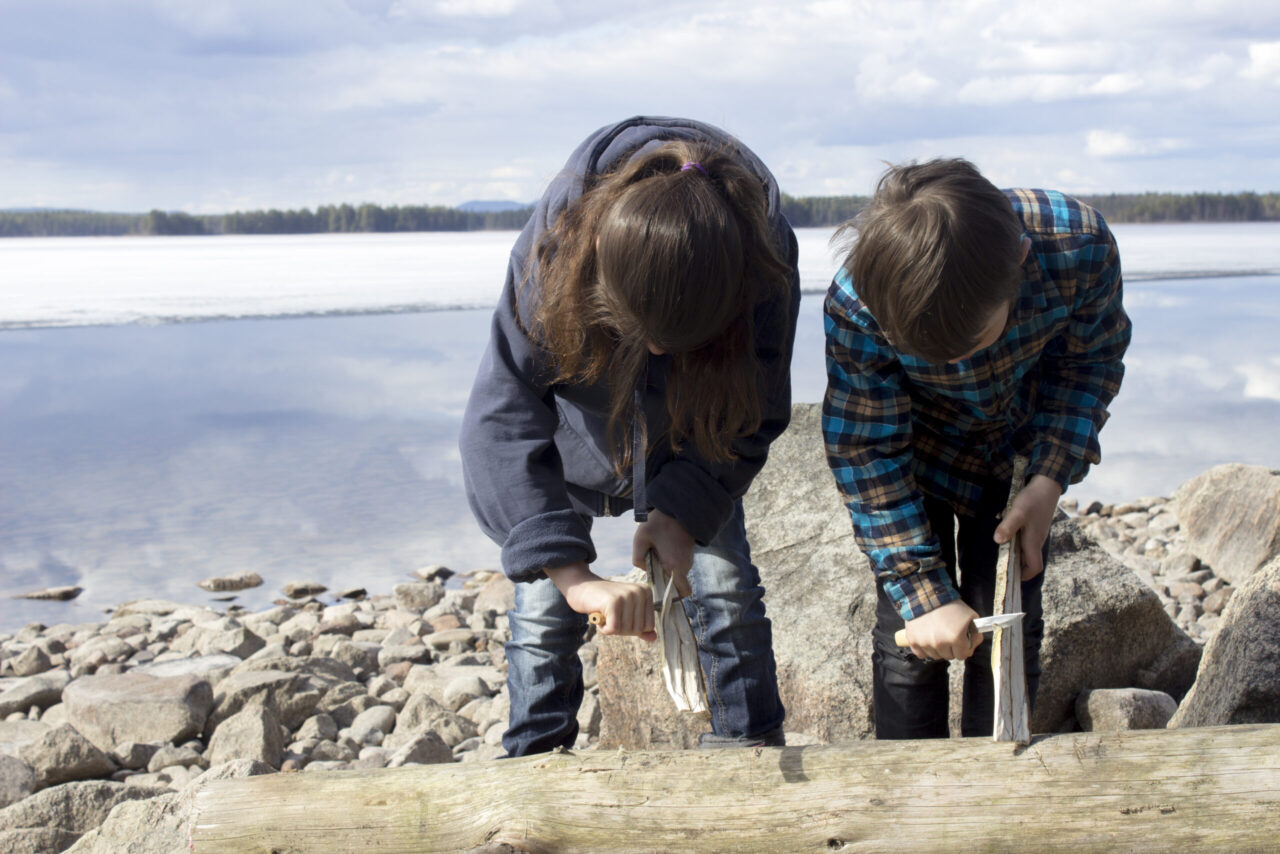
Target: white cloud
(1109, 144)
(263, 103)
(1264, 63)
(1261, 379)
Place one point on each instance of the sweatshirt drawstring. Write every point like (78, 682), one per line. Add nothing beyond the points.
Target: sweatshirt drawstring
(638, 447)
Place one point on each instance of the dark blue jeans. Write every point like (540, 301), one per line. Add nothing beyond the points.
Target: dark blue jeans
(911, 696)
(735, 645)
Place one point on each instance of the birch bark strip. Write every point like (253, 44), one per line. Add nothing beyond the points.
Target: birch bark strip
(1012, 714)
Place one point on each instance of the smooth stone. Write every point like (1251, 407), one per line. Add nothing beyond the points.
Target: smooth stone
(169, 755)
(425, 748)
(62, 755)
(418, 595)
(231, 583)
(1111, 709)
(252, 733)
(41, 691)
(55, 594)
(141, 707)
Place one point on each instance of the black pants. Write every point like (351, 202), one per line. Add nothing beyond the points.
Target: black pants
(911, 696)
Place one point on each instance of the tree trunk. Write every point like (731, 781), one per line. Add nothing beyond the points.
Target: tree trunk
(1195, 789)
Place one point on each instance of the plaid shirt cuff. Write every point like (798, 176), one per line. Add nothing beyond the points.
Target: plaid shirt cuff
(1056, 463)
(921, 592)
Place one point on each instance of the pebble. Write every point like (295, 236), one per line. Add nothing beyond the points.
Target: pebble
(1145, 535)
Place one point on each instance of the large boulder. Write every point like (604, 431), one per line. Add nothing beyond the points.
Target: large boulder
(1231, 516)
(290, 696)
(40, 691)
(115, 709)
(1239, 677)
(820, 597)
(52, 820)
(62, 754)
(17, 780)
(1104, 628)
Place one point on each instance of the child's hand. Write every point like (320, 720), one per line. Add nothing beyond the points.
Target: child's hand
(627, 608)
(944, 633)
(1031, 513)
(673, 544)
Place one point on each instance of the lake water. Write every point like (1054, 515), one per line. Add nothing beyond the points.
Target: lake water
(141, 455)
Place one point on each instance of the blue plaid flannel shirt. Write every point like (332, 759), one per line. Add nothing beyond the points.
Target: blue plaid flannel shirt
(897, 427)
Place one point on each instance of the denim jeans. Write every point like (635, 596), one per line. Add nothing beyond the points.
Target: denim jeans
(911, 697)
(726, 613)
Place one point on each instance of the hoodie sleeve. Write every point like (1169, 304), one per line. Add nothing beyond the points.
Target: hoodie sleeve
(700, 493)
(512, 471)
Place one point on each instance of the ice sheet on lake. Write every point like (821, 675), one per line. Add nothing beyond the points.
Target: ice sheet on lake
(49, 282)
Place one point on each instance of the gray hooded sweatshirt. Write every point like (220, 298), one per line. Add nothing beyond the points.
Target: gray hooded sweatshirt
(535, 456)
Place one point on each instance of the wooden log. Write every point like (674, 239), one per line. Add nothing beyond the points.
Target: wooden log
(1211, 789)
(1012, 711)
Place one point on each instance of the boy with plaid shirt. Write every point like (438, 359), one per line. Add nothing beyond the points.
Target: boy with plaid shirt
(967, 326)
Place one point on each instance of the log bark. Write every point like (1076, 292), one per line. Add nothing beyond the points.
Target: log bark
(1211, 789)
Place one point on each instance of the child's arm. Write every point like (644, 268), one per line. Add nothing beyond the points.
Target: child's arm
(1082, 366)
(627, 608)
(866, 421)
(1080, 373)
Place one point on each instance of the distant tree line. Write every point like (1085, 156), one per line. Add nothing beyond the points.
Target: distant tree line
(802, 212)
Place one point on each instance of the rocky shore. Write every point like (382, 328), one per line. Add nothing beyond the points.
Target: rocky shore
(145, 703)
(108, 728)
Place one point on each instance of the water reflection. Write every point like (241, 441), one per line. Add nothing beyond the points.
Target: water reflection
(137, 460)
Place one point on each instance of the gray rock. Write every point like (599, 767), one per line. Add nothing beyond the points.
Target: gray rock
(1239, 677)
(40, 691)
(422, 714)
(321, 727)
(323, 672)
(31, 662)
(1216, 601)
(418, 595)
(432, 679)
(415, 653)
(252, 733)
(461, 690)
(231, 583)
(497, 595)
(15, 734)
(426, 748)
(17, 780)
(820, 596)
(1104, 628)
(239, 642)
(36, 840)
(290, 696)
(61, 755)
(1110, 709)
(112, 710)
(210, 668)
(169, 755)
(303, 589)
(379, 718)
(161, 824)
(1231, 516)
(134, 755)
(56, 594)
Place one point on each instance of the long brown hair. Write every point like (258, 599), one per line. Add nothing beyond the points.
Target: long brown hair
(672, 248)
(938, 250)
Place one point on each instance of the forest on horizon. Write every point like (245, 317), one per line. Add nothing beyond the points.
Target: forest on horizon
(802, 212)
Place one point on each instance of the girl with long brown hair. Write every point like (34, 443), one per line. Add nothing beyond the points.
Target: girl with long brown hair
(639, 360)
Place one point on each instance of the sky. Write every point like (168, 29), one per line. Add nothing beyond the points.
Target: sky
(219, 105)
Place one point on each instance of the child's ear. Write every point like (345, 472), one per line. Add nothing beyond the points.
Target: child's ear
(1026, 248)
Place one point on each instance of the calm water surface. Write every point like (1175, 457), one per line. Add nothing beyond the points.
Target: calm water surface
(136, 460)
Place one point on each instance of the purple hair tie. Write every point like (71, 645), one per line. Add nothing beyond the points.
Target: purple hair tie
(690, 164)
